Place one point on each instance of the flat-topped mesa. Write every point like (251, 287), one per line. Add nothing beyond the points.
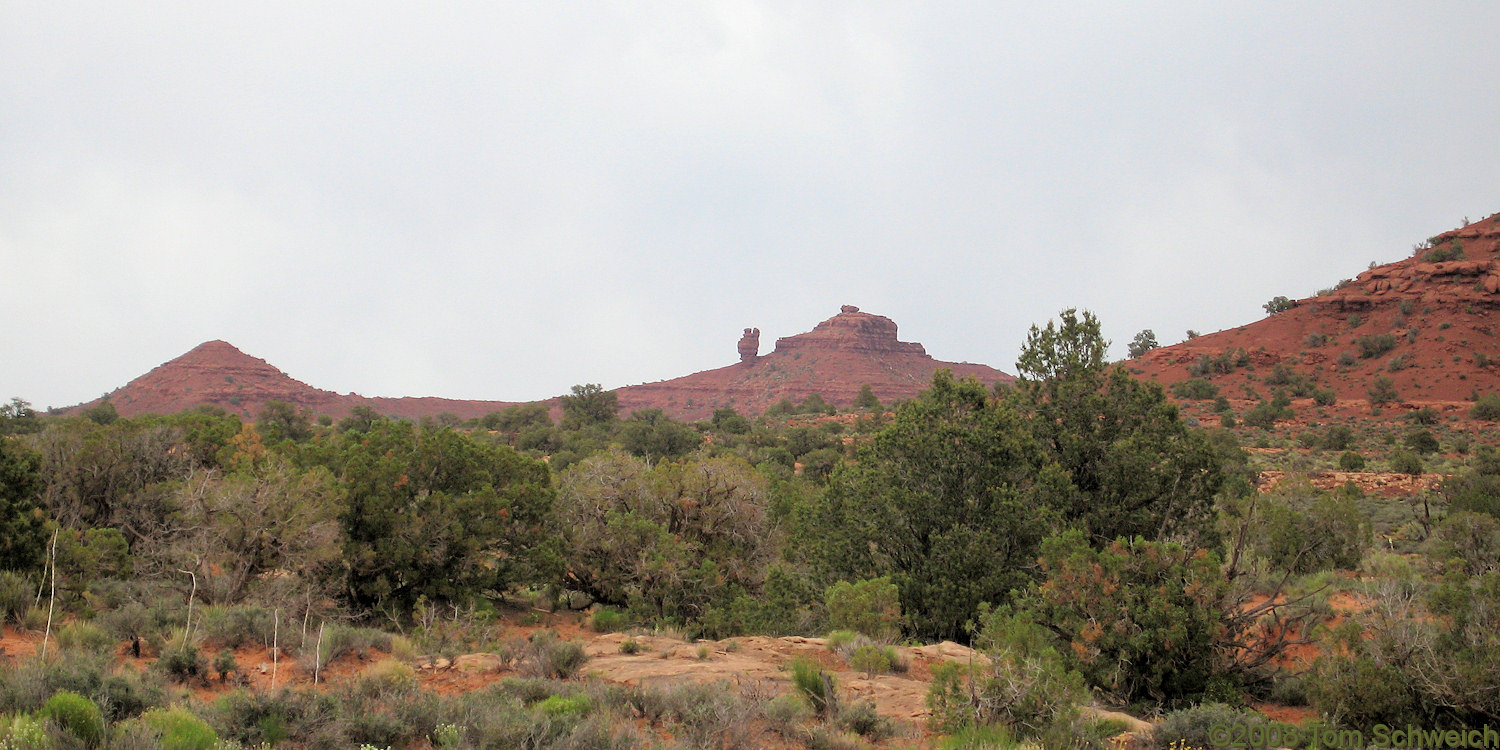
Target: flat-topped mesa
(851, 330)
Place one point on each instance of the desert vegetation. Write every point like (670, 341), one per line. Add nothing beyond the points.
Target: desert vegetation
(200, 580)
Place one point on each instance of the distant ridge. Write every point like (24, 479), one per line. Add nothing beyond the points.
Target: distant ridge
(834, 360)
(1436, 310)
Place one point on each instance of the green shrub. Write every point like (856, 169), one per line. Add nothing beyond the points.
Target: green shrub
(1486, 408)
(22, 732)
(1467, 541)
(1383, 391)
(1139, 620)
(76, 715)
(1451, 251)
(1424, 416)
(842, 641)
(1354, 690)
(1279, 304)
(785, 713)
(1421, 441)
(1303, 536)
(546, 656)
(387, 676)
(606, 620)
(1374, 345)
(182, 662)
(630, 646)
(1196, 389)
(575, 706)
(1193, 727)
(1406, 462)
(870, 660)
(816, 686)
(1324, 397)
(1351, 461)
(85, 636)
(871, 607)
(862, 720)
(1338, 438)
(180, 729)
(979, 737)
(15, 596)
(235, 626)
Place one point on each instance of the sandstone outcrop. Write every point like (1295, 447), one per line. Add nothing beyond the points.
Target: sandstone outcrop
(854, 331)
(749, 346)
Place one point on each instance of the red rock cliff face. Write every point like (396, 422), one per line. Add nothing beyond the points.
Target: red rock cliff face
(852, 331)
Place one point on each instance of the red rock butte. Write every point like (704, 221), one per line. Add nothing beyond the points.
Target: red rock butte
(835, 360)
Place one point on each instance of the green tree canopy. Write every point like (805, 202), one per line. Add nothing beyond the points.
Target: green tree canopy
(1143, 342)
(650, 433)
(589, 404)
(1133, 468)
(280, 420)
(435, 513)
(944, 501)
(670, 540)
(21, 529)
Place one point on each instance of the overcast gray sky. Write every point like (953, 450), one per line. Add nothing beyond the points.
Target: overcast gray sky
(499, 200)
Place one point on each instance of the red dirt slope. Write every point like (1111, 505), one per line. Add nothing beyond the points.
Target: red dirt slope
(1440, 316)
(218, 374)
(834, 360)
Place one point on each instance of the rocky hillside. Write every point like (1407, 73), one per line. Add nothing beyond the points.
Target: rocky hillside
(218, 374)
(1427, 322)
(834, 360)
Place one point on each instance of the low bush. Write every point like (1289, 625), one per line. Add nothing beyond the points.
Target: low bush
(546, 656)
(862, 720)
(871, 660)
(1406, 462)
(15, 596)
(235, 626)
(22, 732)
(605, 620)
(1486, 408)
(785, 713)
(85, 636)
(77, 716)
(1196, 389)
(1374, 345)
(180, 729)
(182, 662)
(1351, 461)
(1383, 391)
(1423, 442)
(1193, 727)
(871, 607)
(816, 686)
